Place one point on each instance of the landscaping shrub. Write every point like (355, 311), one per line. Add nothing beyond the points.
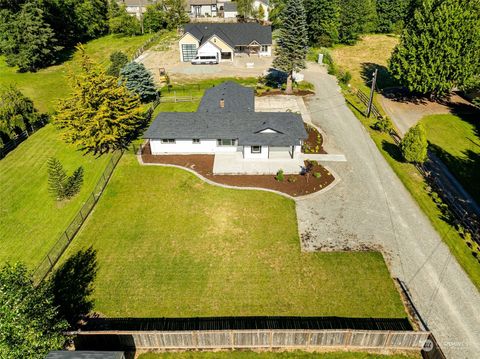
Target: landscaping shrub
(344, 77)
(118, 60)
(317, 175)
(414, 145)
(280, 177)
(383, 124)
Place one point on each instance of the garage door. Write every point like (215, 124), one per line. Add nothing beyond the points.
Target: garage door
(188, 52)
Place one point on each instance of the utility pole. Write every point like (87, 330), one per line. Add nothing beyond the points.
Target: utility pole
(370, 102)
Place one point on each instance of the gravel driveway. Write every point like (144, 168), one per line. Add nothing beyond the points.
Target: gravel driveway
(370, 208)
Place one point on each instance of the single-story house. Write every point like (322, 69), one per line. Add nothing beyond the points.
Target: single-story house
(84, 354)
(230, 10)
(225, 40)
(226, 122)
(198, 8)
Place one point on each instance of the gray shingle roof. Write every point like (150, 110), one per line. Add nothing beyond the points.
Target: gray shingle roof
(233, 34)
(234, 121)
(64, 354)
(236, 98)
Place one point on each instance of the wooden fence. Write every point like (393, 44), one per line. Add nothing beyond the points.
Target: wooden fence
(365, 100)
(18, 139)
(251, 339)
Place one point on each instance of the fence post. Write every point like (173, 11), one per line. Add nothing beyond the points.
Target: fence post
(66, 235)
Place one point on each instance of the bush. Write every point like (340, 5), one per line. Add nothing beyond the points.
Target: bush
(280, 177)
(317, 175)
(344, 77)
(60, 185)
(383, 124)
(414, 145)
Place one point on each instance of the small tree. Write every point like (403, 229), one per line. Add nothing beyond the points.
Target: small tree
(101, 115)
(245, 8)
(117, 61)
(59, 184)
(30, 326)
(292, 44)
(72, 285)
(176, 13)
(16, 111)
(139, 80)
(414, 145)
(261, 13)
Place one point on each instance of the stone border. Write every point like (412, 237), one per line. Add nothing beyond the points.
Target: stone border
(307, 196)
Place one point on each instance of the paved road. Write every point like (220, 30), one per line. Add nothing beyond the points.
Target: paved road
(370, 208)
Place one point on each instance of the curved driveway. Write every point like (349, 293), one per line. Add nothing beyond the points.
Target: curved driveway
(370, 208)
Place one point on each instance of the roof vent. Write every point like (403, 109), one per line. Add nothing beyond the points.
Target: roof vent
(222, 103)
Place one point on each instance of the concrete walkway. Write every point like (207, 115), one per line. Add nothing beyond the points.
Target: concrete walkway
(370, 208)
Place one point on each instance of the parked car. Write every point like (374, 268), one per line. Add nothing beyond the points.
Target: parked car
(205, 60)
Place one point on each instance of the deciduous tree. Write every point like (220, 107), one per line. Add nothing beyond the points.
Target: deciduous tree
(30, 326)
(292, 43)
(101, 115)
(155, 18)
(440, 46)
(245, 8)
(16, 111)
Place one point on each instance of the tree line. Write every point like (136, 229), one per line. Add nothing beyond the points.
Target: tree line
(33, 33)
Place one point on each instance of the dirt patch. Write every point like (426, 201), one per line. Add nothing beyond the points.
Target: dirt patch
(293, 185)
(314, 142)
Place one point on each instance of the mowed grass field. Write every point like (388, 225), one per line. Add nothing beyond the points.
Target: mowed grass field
(274, 355)
(30, 218)
(171, 245)
(456, 139)
(48, 85)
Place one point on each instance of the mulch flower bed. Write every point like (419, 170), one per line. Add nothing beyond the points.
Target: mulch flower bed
(293, 185)
(282, 92)
(314, 142)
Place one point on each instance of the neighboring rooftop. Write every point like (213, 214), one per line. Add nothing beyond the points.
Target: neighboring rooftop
(238, 34)
(236, 98)
(227, 112)
(230, 6)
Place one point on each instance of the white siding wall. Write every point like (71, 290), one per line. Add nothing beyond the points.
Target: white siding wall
(297, 151)
(230, 14)
(208, 49)
(187, 146)
(247, 151)
(266, 53)
(205, 9)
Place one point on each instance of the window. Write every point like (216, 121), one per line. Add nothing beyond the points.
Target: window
(256, 149)
(188, 52)
(264, 48)
(196, 141)
(167, 140)
(226, 142)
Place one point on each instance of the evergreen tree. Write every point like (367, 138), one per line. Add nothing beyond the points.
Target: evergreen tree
(260, 13)
(439, 48)
(139, 80)
(350, 21)
(57, 178)
(292, 44)
(414, 144)
(275, 14)
(117, 61)
(16, 111)
(245, 8)
(391, 15)
(101, 115)
(30, 42)
(74, 183)
(322, 21)
(30, 326)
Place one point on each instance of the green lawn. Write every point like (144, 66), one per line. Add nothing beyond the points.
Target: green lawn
(30, 219)
(274, 355)
(48, 85)
(456, 139)
(171, 245)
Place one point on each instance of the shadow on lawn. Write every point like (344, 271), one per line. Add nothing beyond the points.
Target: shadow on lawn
(72, 286)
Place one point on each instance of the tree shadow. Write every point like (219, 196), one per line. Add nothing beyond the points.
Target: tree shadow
(384, 78)
(393, 150)
(72, 285)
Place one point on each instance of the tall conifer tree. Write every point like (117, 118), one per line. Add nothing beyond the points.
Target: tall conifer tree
(440, 47)
(292, 44)
(322, 21)
(101, 115)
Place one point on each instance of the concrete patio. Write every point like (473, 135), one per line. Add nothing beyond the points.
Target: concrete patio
(234, 163)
